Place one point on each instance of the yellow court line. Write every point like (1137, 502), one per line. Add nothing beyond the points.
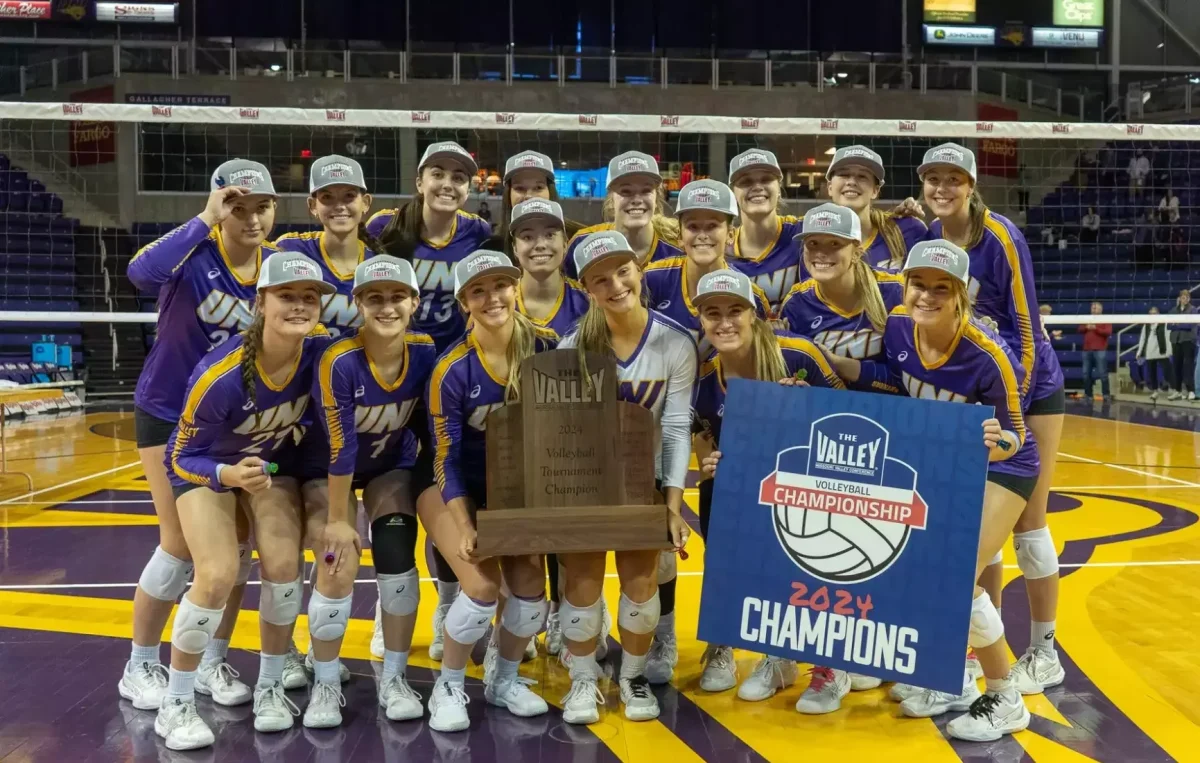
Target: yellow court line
(20, 519)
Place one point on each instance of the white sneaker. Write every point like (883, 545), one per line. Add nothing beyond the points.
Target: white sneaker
(1191, 396)
(273, 711)
(974, 669)
(220, 681)
(640, 703)
(399, 699)
(1154, 395)
(181, 727)
(530, 650)
(554, 637)
(927, 703)
(343, 671)
(769, 676)
(145, 685)
(825, 692)
(490, 656)
(325, 703)
(1037, 670)
(294, 676)
(901, 692)
(720, 669)
(448, 707)
(437, 645)
(991, 717)
(581, 705)
(1174, 396)
(859, 682)
(516, 695)
(377, 647)
(606, 624)
(662, 659)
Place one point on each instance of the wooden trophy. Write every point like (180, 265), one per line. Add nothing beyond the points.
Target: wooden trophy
(570, 468)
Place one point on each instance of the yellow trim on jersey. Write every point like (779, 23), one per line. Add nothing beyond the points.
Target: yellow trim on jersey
(502, 381)
(737, 237)
(441, 438)
(867, 244)
(543, 322)
(1012, 390)
(453, 231)
(329, 263)
(399, 378)
(964, 322)
(1024, 321)
(809, 348)
(195, 397)
(252, 280)
(340, 348)
(806, 285)
(392, 212)
(266, 380)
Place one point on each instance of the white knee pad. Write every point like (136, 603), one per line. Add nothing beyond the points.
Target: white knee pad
(986, 626)
(164, 577)
(279, 603)
(467, 620)
(638, 618)
(1036, 555)
(399, 594)
(522, 618)
(194, 627)
(245, 561)
(668, 567)
(580, 623)
(997, 559)
(328, 618)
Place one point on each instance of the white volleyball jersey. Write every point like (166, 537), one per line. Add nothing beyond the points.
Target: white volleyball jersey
(661, 376)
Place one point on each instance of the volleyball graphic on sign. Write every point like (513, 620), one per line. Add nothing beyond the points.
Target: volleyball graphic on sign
(843, 508)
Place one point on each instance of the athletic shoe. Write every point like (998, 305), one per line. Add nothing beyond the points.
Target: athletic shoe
(1154, 396)
(343, 671)
(325, 703)
(1174, 396)
(582, 703)
(720, 670)
(377, 647)
(859, 682)
(990, 717)
(554, 637)
(145, 685)
(530, 651)
(219, 681)
(436, 646)
(640, 703)
(490, 656)
(294, 676)
(1037, 670)
(273, 711)
(606, 624)
(662, 659)
(1191, 396)
(181, 727)
(769, 676)
(515, 695)
(974, 669)
(401, 702)
(825, 692)
(448, 707)
(927, 703)
(901, 692)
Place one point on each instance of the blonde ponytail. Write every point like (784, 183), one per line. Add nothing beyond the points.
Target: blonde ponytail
(868, 291)
(769, 364)
(521, 346)
(886, 227)
(592, 335)
(976, 219)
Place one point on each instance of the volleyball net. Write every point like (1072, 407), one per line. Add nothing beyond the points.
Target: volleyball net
(1109, 210)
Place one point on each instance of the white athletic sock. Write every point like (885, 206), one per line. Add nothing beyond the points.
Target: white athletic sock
(148, 654)
(327, 672)
(583, 665)
(506, 670)
(447, 592)
(270, 669)
(1041, 635)
(665, 630)
(182, 685)
(394, 664)
(215, 652)
(453, 677)
(632, 666)
(998, 685)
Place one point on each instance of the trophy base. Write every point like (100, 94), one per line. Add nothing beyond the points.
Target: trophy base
(516, 532)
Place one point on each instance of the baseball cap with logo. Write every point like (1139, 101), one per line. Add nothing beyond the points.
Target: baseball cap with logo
(335, 170)
(448, 149)
(724, 283)
(949, 155)
(291, 268)
(940, 254)
(536, 209)
(601, 246)
(862, 156)
(529, 160)
(754, 159)
(633, 164)
(706, 194)
(383, 268)
(831, 220)
(252, 176)
(480, 264)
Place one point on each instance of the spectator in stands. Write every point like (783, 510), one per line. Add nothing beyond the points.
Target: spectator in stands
(485, 213)
(1089, 227)
(1143, 238)
(1168, 208)
(1183, 344)
(1052, 333)
(1139, 170)
(1154, 345)
(1095, 353)
(1022, 188)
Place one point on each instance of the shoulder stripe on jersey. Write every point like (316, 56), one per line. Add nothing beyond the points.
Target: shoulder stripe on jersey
(1018, 296)
(806, 346)
(882, 276)
(298, 236)
(417, 337)
(665, 264)
(339, 349)
(381, 213)
(187, 428)
(441, 370)
(584, 232)
(1012, 390)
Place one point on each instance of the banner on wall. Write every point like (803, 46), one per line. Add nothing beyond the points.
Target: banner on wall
(92, 143)
(18, 10)
(997, 156)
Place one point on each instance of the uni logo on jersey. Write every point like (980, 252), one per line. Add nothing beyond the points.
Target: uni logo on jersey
(567, 389)
(843, 508)
(382, 419)
(925, 391)
(282, 416)
(644, 393)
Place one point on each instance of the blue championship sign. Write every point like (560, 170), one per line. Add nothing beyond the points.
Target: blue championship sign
(844, 531)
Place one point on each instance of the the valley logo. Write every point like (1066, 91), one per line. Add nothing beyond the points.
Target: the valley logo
(567, 387)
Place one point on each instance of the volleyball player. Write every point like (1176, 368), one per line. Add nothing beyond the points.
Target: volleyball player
(527, 175)
(478, 374)
(747, 347)
(936, 351)
(656, 368)
(204, 273)
(1001, 288)
(635, 205)
(242, 405)
(855, 178)
(440, 234)
(368, 384)
(764, 245)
